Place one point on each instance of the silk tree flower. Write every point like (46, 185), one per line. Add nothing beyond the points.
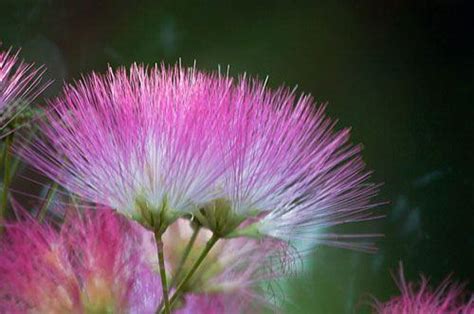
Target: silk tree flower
(158, 144)
(447, 298)
(290, 168)
(20, 83)
(143, 142)
(91, 265)
(231, 279)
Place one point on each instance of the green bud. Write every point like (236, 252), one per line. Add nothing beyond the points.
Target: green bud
(219, 217)
(156, 219)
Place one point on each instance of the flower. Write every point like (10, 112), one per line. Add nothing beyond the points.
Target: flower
(92, 264)
(230, 280)
(35, 272)
(164, 143)
(290, 169)
(142, 142)
(419, 299)
(20, 83)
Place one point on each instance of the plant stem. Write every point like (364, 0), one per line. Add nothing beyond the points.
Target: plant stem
(195, 267)
(49, 197)
(161, 263)
(6, 177)
(185, 255)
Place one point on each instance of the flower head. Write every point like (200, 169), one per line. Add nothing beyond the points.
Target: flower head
(420, 299)
(289, 168)
(158, 144)
(20, 83)
(92, 264)
(142, 142)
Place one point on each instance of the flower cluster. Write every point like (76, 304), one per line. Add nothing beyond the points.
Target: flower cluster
(162, 143)
(250, 169)
(222, 175)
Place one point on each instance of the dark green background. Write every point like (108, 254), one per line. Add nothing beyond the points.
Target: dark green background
(399, 72)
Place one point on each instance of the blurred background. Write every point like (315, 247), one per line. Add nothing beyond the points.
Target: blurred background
(400, 72)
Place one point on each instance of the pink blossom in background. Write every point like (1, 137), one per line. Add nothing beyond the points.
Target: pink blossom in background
(420, 298)
(20, 83)
(92, 264)
(35, 271)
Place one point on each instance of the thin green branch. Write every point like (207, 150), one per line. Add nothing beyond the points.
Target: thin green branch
(6, 176)
(212, 241)
(49, 199)
(161, 263)
(185, 255)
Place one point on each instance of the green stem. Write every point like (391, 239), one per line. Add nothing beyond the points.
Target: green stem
(49, 198)
(6, 177)
(161, 263)
(195, 267)
(185, 255)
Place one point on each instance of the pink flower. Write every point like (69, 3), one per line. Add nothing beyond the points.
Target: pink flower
(92, 264)
(35, 272)
(20, 83)
(420, 299)
(162, 143)
(142, 142)
(290, 169)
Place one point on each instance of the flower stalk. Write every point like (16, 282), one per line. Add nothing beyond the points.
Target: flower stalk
(161, 264)
(49, 199)
(185, 255)
(6, 176)
(179, 289)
